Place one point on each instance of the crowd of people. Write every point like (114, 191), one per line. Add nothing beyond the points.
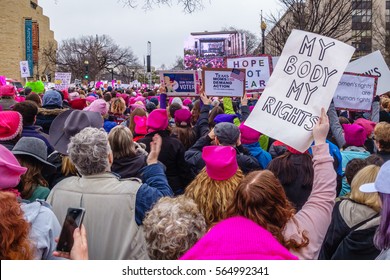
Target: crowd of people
(170, 178)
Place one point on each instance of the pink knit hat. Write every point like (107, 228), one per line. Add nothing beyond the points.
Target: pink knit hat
(368, 126)
(248, 135)
(10, 169)
(157, 120)
(354, 134)
(187, 102)
(7, 90)
(90, 98)
(99, 106)
(11, 124)
(221, 162)
(140, 125)
(238, 238)
(183, 117)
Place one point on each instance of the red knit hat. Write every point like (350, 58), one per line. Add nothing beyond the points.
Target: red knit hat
(7, 90)
(11, 124)
(248, 134)
(157, 120)
(78, 104)
(221, 162)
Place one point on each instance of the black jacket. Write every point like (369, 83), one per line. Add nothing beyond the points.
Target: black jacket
(172, 156)
(193, 157)
(129, 167)
(351, 232)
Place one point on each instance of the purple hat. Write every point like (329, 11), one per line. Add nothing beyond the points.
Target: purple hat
(354, 134)
(157, 120)
(221, 162)
(248, 134)
(224, 118)
(10, 169)
(183, 117)
(238, 238)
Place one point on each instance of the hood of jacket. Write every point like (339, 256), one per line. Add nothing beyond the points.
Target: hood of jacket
(128, 167)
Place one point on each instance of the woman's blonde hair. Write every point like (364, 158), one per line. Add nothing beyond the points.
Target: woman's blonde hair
(68, 168)
(366, 175)
(121, 142)
(118, 106)
(213, 197)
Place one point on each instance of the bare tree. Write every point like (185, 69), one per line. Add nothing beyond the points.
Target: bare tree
(178, 64)
(189, 6)
(331, 18)
(102, 54)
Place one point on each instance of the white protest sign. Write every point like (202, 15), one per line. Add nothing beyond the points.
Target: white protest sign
(258, 70)
(355, 92)
(275, 60)
(62, 80)
(304, 81)
(224, 82)
(373, 64)
(24, 69)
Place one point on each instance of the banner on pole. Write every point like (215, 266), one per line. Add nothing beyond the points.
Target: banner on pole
(304, 80)
(24, 69)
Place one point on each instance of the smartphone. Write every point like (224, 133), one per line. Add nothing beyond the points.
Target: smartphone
(74, 219)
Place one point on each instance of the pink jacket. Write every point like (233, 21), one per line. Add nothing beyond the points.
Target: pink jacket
(315, 215)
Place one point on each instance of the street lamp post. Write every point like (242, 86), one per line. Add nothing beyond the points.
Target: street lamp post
(263, 27)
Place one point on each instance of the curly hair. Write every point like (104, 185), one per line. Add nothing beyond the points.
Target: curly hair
(89, 150)
(118, 106)
(14, 230)
(213, 197)
(382, 136)
(32, 178)
(172, 227)
(260, 197)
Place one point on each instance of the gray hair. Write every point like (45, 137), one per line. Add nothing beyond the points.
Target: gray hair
(88, 150)
(172, 227)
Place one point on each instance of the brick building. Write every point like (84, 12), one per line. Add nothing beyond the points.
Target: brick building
(24, 34)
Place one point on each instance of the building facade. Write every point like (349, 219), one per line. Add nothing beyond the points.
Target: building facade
(368, 28)
(24, 35)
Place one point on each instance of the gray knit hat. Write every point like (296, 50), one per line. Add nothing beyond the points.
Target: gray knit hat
(227, 133)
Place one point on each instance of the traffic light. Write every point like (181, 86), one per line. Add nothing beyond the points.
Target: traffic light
(86, 77)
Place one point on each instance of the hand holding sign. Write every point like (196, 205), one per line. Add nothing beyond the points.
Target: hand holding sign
(321, 129)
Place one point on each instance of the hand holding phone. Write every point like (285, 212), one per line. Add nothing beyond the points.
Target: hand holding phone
(74, 219)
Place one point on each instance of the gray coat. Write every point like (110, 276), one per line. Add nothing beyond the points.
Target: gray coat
(109, 203)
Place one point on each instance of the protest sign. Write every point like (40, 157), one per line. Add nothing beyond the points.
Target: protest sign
(258, 70)
(304, 81)
(355, 92)
(179, 83)
(373, 64)
(24, 69)
(226, 82)
(62, 80)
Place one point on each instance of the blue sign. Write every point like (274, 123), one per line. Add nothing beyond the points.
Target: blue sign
(180, 83)
(29, 44)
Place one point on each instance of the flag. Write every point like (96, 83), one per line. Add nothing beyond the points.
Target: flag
(237, 74)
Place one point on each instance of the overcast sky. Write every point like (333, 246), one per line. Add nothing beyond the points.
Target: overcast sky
(166, 28)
